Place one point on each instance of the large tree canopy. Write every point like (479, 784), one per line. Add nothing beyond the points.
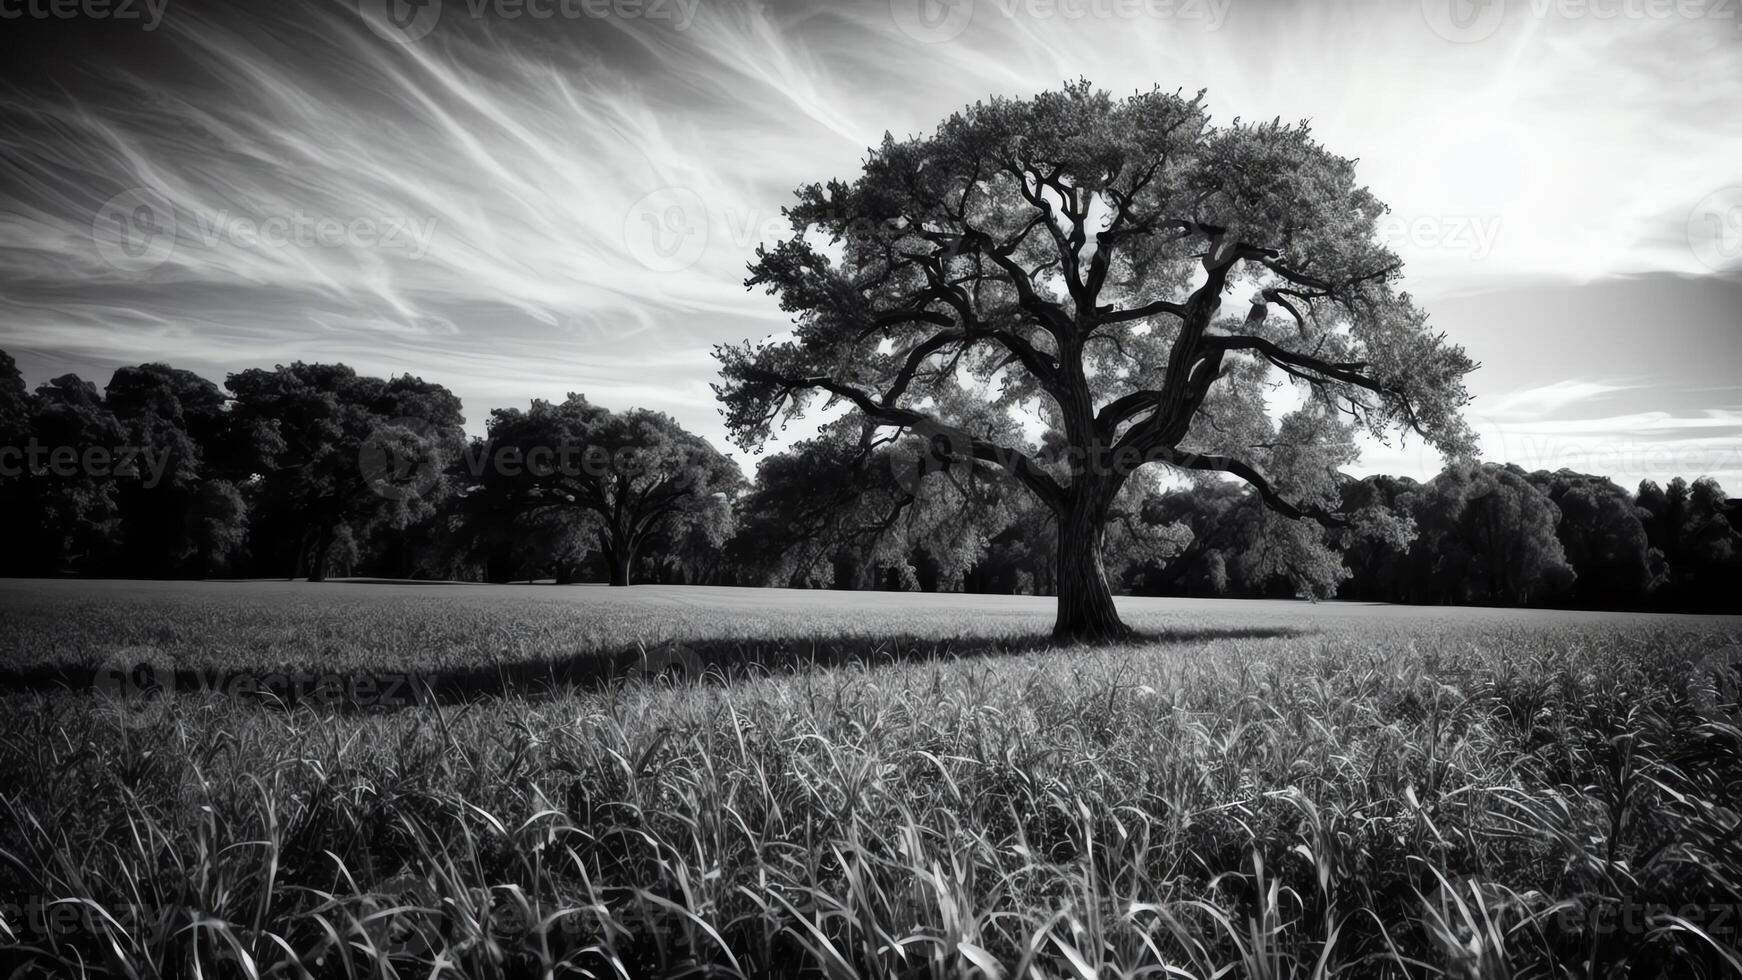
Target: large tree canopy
(191, 519)
(1488, 537)
(67, 511)
(1069, 254)
(329, 447)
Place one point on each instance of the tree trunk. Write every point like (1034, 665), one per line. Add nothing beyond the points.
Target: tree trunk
(1085, 604)
(620, 560)
(317, 567)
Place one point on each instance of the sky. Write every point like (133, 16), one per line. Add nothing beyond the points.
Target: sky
(524, 198)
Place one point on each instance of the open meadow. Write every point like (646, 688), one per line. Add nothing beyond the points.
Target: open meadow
(880, 367)
(393, 779)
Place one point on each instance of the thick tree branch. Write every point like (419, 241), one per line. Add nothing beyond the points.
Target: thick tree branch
(1122, 409)
(917, 357)
(1272, 499)
(1139, 312)
(1319, 372)
(1049, 315)
(1038, 364)
(1015, 461)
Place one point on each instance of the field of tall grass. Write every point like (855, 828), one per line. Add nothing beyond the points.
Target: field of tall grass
(213, 780)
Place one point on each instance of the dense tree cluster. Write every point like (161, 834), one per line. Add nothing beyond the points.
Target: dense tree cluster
(1476, 534)
(312, 470)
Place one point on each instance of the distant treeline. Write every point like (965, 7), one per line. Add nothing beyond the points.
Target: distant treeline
(1483, 535)
(314, 470)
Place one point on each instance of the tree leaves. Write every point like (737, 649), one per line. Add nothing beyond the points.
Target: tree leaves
(1072, 250)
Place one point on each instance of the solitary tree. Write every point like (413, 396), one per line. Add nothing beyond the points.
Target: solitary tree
(1069, 254)
(627, 476)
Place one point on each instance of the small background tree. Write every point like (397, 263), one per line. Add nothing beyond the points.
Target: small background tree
(625, 477)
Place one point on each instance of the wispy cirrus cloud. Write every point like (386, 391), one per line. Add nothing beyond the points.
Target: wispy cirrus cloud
(1633, 447)
(1627, 448)
(520, 207)
(1553, 397)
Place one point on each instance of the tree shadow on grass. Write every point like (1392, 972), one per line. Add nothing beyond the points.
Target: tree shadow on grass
(706, 661)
